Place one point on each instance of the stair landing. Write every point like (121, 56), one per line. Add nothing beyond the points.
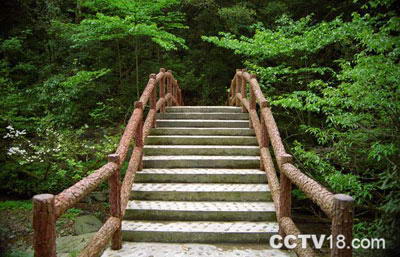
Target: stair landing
(130, 249)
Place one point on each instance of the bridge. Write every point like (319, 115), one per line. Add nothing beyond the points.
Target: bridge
(197, 174)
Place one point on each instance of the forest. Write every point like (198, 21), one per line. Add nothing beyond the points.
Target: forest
(71, 70)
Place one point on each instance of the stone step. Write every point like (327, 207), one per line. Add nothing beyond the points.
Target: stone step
(203, 131)
(201, 140)
(210, 211)
(200, 192)
(204, 123)
(154, 249)
(202, 116)
(198, 231)
(200, 176)
(201, 161)
(204, 109)
(244, 150)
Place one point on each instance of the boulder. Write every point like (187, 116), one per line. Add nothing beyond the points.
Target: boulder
(86, 224)
(69, 245)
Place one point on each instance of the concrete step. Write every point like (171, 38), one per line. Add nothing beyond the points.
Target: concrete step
(201, 140)
(200, 176)
(198, 231)
(243, 150)
(204, 109)
(200, 192)
(203, 131)
(210, 211)
(154, 249)
(202, 116)
(204, 123)
(201, 161)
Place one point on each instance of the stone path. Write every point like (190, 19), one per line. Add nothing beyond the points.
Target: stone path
(195, 250)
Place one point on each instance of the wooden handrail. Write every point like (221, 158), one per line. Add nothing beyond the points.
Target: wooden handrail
(47, 208)
(337, 207)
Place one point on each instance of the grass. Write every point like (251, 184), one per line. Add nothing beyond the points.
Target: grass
(13, 205)
(72, 213)
(17, 253)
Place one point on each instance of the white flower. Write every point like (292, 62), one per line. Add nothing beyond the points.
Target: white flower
(16, 150)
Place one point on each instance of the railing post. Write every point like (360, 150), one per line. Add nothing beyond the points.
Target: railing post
(44, 225)
(169, 87)
(253, 104)
(243, 89)
(153, 100)
(139, 134)
(238, 83)
(180, 96)
(175, 91)
(342, 225)
(285, 194)
(162, 89)
(264, 138)
(114, 183)
(232, 92)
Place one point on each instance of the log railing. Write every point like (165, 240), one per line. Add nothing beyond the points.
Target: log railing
(47, 208)
(338, 207)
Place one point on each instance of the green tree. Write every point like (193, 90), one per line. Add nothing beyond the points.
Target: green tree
(128, 22)
(338, 82)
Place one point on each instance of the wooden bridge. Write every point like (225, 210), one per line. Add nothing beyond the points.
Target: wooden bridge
(196, 175)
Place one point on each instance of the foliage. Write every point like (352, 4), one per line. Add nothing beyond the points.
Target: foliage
(337, 83)
(12, 205)
(71, 214)
(54, 160)
(70, 71)
(18, 253)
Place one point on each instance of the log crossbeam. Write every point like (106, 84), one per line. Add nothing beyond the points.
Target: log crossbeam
(337, 207)
(47, 207)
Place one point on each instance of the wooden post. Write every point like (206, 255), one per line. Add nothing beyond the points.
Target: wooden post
(139, 134)
(114, 183)
(264, 138)
(253, 106)
(153, 100)
(342, 225)
(162, 89)
(44, 225)
(175, 91)
(285, 194)
(233, 91)
(238, 83)
(243, 90)
(180, 96)
(169, 87)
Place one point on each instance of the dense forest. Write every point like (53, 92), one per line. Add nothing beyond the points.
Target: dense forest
(70, 71)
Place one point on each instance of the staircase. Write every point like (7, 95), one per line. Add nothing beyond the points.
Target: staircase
(201, 192)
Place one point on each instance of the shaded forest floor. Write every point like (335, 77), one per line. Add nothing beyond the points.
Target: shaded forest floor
(16, 233)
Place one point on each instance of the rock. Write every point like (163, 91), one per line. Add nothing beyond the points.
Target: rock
(87, 224)
(100, 196)
(68, 245)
